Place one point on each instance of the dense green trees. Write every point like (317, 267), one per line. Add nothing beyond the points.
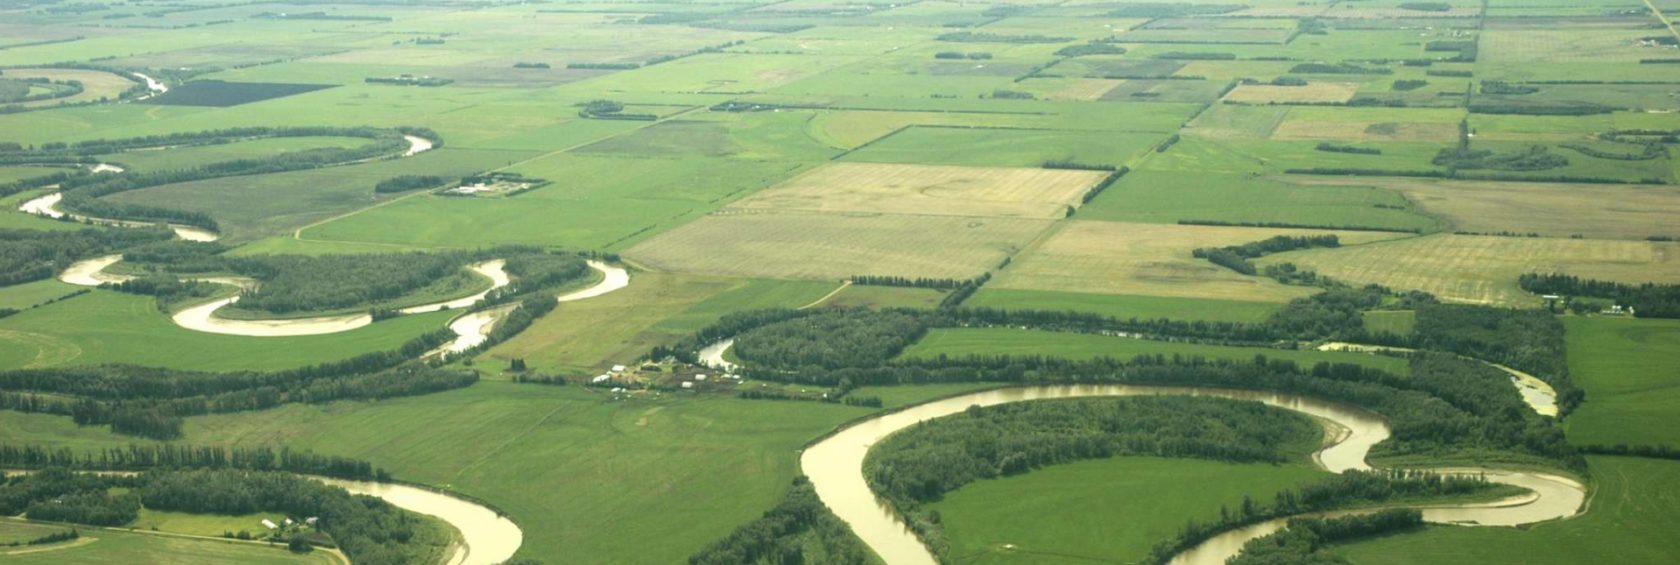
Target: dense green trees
(27, 255)
(831, 339)
(58, 495)
(1300, 542)
(177, 456)
(1235, 257)
(800, 529)
(1527, 340)
(302, 283)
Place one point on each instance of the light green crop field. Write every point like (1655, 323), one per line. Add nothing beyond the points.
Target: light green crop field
(1124, 306)
(958, 342)
(1627, 368)
(110, 327)
(1100, 510)
(101, 546)
(1633, 509)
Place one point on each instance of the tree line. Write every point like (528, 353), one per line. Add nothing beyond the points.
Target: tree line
(1648, 300)
(1236, 257)
(176, 456)
(29, 255)
(1302, 540)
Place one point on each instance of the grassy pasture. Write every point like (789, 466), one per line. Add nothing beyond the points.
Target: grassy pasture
(111, 327)
(958, 342)
(1170, 196)
(1627, 369)
(587, 336)
(925, 189)
(1099, 510)
(1005, 147)
(1484, 269)
(21, 296)
(1149, 260)
(1551, 209)
(596, 202)
(1123, 306)
(1633, 510)
(835, 246)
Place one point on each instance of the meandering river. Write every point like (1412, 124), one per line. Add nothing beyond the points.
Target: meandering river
(835, 467)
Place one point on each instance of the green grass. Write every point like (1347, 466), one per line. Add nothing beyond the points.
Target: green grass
(615, 329)
(111, 327)
(113, 546)
(596, 202)
(1171, 196)
(1125, 306)
(1627, 366)
(1006, 341)
(26, 295)
(203, 524)
(1397, 322)
(1633, 514)
(1104, 510)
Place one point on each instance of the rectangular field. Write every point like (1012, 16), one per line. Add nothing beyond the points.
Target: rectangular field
(1317, 92)
(1484, 269)
(835, 246)
(1150, 260)
(925, 189)
(1552, 209)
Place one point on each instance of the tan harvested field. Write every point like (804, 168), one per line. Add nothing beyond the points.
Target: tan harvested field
(929, 189)
(95, 84)
(1311, 92)
(1551, 209)
(1320, 130)
(1149, 260)
(833, 246)
(1085, 89)
(1484, 269)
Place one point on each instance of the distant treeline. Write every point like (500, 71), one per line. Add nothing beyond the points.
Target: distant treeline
(173, 456)
(978, 37)
(1338, 148)
(1648, 300)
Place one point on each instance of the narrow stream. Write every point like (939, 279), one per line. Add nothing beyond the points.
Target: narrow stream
(835, 467)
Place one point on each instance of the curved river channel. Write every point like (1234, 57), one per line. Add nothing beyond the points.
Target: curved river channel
(835, 467)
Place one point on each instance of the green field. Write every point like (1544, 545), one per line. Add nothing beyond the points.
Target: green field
(1101, 510)
(109, 327)
(958, 342)
(1627, 368)
(1124, 307)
